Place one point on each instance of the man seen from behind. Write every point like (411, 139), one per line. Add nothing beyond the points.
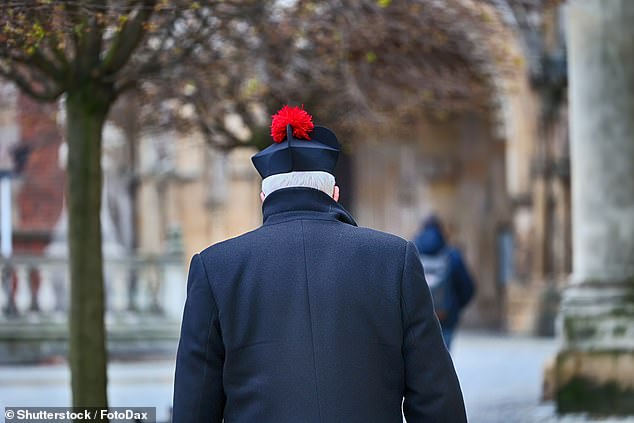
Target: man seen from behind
(310, 318)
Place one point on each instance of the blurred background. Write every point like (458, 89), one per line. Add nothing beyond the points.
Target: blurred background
(512, 120)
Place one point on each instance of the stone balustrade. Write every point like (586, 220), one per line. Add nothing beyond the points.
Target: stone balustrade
(144, 303)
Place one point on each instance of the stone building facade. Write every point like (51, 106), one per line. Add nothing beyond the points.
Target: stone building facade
(194, 193)
(499, 177)
(454, 169)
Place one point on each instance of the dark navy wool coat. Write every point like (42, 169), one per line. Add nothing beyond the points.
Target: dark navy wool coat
(311, 319)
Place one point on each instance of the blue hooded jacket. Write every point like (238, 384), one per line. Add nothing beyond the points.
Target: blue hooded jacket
(430, 241)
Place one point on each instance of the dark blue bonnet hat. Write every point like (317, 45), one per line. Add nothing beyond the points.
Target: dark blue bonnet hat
(298, 145)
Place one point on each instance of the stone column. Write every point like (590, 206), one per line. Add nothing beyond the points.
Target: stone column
(595, 367)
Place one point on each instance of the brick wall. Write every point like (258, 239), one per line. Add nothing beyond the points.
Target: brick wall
(39, 190)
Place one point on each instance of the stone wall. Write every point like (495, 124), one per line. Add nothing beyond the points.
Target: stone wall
(204, 195)
(454, 168)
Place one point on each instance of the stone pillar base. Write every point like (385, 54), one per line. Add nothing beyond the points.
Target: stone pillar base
(595, 382)
(594, 371)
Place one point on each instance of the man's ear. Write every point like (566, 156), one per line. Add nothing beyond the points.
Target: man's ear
(262, 196)
(335, 193)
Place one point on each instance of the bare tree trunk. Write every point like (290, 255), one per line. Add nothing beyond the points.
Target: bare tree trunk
(87, 107)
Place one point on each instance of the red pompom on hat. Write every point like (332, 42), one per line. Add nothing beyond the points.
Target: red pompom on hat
(297, 117)
(289, 153)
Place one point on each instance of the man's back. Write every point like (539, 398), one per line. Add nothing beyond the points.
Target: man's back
(312, 319)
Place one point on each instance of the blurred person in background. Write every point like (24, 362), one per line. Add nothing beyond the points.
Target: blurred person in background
(446, 274)
(310, 318)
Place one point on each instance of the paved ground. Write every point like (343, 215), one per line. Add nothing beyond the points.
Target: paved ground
(500, 377)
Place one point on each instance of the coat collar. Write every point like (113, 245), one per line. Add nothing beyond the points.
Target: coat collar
(302, 203)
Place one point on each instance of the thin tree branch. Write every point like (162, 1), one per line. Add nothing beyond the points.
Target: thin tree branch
(53, 45)
(49, 92)
(127, 39)
(72, 15)
(125, 85)
(40, 61)
(210, 132)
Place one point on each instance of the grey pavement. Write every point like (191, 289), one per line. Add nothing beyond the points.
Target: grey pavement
(132, 384)
(501, 379)
(500, 376)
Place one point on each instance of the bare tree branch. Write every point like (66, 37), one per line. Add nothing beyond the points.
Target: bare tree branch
(128, 38)
(41, 91)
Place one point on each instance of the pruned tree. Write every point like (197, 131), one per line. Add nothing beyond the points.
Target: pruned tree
(92, 51)
(350, 63)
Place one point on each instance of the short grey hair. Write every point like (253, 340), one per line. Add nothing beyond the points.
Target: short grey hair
(320, 180)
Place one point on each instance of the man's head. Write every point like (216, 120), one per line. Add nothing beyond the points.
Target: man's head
(302, 155)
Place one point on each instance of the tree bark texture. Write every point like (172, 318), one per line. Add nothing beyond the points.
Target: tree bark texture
(87, 108)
